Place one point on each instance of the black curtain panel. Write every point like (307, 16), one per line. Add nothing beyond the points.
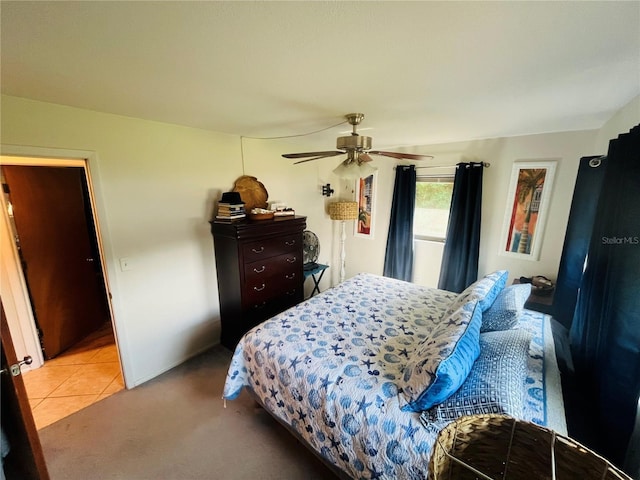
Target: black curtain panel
(605, 333)
(398, 259)
(462, 245)
(578, 236)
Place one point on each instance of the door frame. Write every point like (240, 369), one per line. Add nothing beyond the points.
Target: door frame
(13, 287)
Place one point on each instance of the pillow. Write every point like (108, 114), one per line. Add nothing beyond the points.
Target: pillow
(443, 360)
(506, 309)
(496, 383)
(484, 290)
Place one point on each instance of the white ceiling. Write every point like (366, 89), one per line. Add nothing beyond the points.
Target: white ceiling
(422, 72)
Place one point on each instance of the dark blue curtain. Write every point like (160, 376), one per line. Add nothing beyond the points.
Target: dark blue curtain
(576, 241)
(462, 246)
(605, 333)
(398, 259)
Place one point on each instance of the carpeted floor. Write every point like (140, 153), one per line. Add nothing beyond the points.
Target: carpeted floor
(176, 428)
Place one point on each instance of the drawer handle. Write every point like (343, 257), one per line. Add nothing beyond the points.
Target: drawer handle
(290, 244)
(260, 305)
(259, 289)
(290, 292)
(290, 277)
(292, 260)
(260, 270)
(258, 251)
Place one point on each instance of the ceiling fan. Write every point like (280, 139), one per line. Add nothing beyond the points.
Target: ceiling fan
(356, 147)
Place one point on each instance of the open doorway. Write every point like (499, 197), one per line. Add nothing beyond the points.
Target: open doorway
(57, 243)
(84, 374)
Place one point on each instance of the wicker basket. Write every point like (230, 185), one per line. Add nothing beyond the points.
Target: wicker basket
(500, 447)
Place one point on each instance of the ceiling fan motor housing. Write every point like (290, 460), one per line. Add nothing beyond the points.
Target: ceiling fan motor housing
(354, 142)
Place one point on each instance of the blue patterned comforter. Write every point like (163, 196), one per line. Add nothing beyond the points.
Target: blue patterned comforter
(328, 368)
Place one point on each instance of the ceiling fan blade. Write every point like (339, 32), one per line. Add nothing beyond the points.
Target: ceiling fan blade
(401, 156)
(330, 153)
(316, 158)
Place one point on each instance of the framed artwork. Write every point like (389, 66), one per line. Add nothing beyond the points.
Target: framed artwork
(527, 206)
(365, 196)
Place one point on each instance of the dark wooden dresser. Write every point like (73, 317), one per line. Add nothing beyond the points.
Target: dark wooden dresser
(259, 266)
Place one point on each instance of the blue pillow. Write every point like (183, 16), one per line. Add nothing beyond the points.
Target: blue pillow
(496, 383)
(442, 361)
(506, 309)
(489, 287)
(484, 290)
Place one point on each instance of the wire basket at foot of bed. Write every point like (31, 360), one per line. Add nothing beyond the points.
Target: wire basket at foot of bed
(501, 447)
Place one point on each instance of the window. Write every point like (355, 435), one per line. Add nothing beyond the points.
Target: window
(433, 202)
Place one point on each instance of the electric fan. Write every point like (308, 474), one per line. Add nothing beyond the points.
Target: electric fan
(310, 250)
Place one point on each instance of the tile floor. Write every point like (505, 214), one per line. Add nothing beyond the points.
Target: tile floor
(85, 374)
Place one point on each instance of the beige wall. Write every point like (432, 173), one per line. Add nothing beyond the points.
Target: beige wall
(624, 120)
(564, 147)
(157, 184)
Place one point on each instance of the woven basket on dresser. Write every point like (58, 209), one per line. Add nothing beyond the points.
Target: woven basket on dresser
(501, 447)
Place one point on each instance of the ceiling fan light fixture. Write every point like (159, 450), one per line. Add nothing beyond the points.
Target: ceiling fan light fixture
(366, 170)
(349, 171)
(353, 171)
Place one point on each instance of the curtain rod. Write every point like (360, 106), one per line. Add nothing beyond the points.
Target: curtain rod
(484, 164)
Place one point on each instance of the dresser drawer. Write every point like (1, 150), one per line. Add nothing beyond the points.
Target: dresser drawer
(271, 247)
(258, 289)
(258, 313)
(287, 265)
(270, 296)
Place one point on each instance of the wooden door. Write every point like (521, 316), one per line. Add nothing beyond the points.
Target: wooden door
(58, 249)
(25, 460)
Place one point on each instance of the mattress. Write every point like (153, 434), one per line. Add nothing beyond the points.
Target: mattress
(329, 368)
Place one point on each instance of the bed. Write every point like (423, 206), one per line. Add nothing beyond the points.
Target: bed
(367, 373)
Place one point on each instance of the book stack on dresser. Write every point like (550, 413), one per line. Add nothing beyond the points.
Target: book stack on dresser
(230, 207)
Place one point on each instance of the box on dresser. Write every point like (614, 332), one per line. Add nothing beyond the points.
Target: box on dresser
(259, 269)
(539, 303)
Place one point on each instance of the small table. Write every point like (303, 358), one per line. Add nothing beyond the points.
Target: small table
(318, 269)
(539, 303)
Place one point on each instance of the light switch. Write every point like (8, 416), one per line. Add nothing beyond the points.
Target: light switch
(125, 264)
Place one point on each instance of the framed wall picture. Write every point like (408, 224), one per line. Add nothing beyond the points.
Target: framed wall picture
(527, 206)
(365, 196)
